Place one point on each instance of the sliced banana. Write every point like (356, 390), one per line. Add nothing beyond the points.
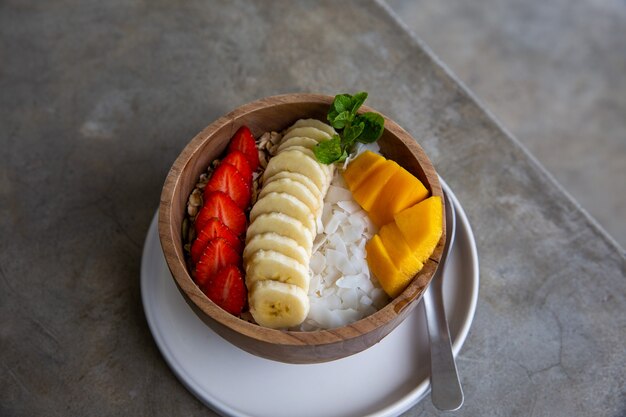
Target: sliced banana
(302, 179)
(308, 143)
(307, 132)
(278, 305)
(283, 224)
(279, 243)
(318, 124)
(271, 265)
(295, 161)
(327, 168)
(287, 204)
(296, 189)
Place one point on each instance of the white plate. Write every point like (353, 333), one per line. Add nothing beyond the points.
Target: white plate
(384, 380)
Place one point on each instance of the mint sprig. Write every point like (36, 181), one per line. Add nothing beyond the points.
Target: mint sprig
(351, 128)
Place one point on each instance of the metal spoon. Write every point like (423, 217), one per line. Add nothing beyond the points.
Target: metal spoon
(446, 392)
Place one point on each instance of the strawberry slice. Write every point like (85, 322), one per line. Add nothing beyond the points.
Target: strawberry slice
(220, 205)
(238, 160)
(214, 228)
(217, 254)
(243, 141)
(227, 289)
(228, 180)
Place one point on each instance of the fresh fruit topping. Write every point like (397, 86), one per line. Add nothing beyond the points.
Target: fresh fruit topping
(228, 180)
(278, 305)
(272, 265)
(301, 178)
(307, 132)
(294, 188)
(295, 161)
(303, 141)
(238, 160)
(287, 204)
(373, 187)
(243, 141)
(212, 229)
(220, 205)
(361, 167)
(390, 278)
(276, 242)
(399, 249)
(217, 254)
(227, 289)
(318, 124)
(283, 224)
(422, 225)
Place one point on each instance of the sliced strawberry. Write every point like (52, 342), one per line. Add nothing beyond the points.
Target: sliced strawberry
(238, 160)
(227, 289)
(220, 205)
(214, 228)
(243, 141)
(228, 180)
(217, 254)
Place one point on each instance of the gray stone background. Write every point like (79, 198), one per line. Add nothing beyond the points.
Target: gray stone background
(554, 73)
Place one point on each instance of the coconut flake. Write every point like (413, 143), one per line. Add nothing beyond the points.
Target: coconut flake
(349, 206)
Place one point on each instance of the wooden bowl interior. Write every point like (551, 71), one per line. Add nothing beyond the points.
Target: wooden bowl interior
(276, 114)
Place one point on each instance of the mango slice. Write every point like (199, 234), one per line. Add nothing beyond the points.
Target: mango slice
(370, 189)
(361, 167)
(391, 280)
(399, 251)
(421, 225)
(402, 190)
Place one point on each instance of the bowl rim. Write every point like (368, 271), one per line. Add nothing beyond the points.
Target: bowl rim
(174, 253)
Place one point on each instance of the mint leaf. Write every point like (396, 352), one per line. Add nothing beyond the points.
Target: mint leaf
(330, 150)
(374, 124)
(341, 119)
(357, 100)
(341, 103)
(352, 132)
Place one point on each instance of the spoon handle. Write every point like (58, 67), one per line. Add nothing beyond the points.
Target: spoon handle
(446, 392)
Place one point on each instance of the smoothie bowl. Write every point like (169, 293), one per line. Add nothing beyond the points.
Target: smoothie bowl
(316, 261)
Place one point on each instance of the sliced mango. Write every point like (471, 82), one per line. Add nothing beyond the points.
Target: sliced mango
(370, 189)
(390, 278)
(402, 190)
(361, 167)
(421, 225)
(399, 251)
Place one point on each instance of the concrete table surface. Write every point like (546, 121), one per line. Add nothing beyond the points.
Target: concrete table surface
(98, 98)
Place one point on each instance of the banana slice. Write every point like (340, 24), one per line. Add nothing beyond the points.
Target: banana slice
(328, 169)
(313, 123)
(278, 305)
(302, 179)
(296, 189)
(308, 132)
(271, 265)
(283, 223)
(295, 161)
(308, 143)
(287, 204)
(278, 243)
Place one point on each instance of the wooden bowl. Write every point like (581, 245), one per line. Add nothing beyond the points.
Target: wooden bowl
(277, 113)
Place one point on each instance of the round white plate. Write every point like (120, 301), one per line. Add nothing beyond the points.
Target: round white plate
(384, 380)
